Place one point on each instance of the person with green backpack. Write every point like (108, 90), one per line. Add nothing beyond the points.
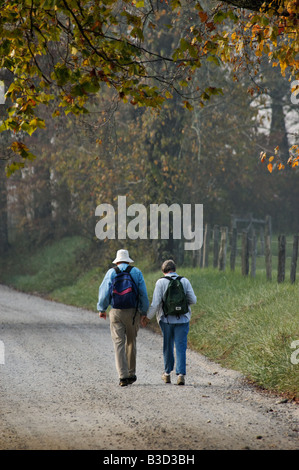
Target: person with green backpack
(172, 297)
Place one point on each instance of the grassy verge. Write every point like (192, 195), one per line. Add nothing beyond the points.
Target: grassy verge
(41, 271)
(243, 323)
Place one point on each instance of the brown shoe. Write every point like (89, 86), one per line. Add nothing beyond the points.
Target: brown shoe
(166, 378)
(181, 380)
(123, 382)
(132, 379)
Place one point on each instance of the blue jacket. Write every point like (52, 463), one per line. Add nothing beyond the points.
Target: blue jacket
(104, 299)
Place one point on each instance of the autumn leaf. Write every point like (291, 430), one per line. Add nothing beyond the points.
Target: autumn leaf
(203, 16)
(263, 156)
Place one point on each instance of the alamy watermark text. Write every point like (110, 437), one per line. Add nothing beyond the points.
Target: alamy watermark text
(144, 223)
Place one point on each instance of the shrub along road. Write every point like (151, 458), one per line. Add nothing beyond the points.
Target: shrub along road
(59, 390)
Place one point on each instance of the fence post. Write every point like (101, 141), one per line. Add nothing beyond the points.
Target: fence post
(233, 252)
(268, 253)
(196, 258)
(262, 240)
(206, 247)
(245, 253)
(253, 254)
(281, 258)
(180, 251)
(223, 248)
(268, 257)
(216, 245)
(294, 259)
(268, 225)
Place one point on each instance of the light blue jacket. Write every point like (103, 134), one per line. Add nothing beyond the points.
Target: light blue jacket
(159, 294)
(104, 299)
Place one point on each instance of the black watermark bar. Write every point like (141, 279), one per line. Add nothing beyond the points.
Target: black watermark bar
(127, 459)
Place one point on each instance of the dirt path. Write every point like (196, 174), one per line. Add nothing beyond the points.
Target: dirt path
(59, 390)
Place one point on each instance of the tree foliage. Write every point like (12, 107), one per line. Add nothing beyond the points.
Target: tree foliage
(65, 52)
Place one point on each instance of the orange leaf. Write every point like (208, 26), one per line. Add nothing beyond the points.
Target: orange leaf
(270, 167)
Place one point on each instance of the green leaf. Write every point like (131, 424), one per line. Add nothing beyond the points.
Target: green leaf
(214, 59)
(219, 16)
(139, 4)
(13, 167)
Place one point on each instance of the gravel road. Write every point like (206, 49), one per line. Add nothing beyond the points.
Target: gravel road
(59, 391)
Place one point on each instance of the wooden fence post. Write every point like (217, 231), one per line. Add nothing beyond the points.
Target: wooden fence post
(223, 249)
(206, 246)
(294, 259)
(245, 253)
(268, 225)
(253, 254)
(268, 257)
(180, 251)
(216, 245)
(233, 252)
(281, 258)
(195, 258)
(268, 252)
(262, 240)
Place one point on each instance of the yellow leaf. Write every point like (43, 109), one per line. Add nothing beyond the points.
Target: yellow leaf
(168, 95)
(271, 159)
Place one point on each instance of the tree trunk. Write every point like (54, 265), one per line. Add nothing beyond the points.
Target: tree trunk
(3, 209)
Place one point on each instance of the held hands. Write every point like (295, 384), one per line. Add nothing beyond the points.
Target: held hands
(144, 321)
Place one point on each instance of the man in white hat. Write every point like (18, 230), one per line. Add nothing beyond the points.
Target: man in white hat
(123, 288)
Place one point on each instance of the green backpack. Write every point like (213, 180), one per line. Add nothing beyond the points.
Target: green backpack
(175, 301)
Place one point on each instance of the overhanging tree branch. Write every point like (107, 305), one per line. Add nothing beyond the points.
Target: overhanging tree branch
(276, 6)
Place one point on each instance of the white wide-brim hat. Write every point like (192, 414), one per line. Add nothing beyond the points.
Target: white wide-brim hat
(122, 256)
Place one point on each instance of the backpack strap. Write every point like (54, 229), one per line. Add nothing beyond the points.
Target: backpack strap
(172, 278)
(127, 270)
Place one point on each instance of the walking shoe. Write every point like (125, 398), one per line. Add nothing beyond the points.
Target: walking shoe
(166, 378)
(181, 379)
(132, 379)
(123, 382)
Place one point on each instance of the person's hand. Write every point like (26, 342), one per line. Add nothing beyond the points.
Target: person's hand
(103, 315)
(144, 320)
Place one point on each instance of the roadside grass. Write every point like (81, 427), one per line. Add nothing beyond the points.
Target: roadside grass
(247, 324)
(41, 271)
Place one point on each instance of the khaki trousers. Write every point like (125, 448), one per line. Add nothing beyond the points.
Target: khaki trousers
(124, 335)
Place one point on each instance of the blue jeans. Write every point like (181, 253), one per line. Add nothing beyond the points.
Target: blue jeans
(174, 334)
